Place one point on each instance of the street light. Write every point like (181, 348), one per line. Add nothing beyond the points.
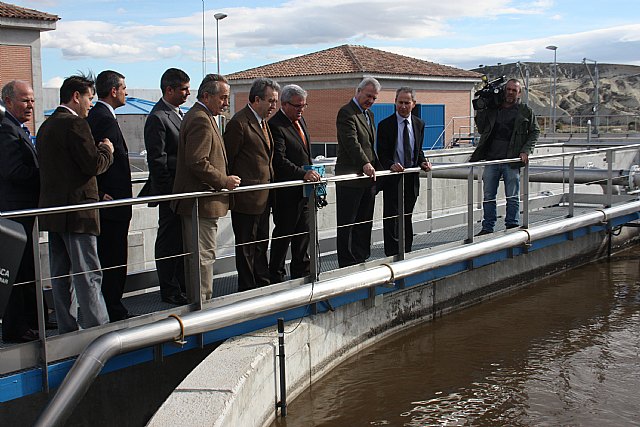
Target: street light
(552, 107)
(596, 96)
(219, 17)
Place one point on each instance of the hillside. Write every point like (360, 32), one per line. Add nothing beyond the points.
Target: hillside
(619, 89)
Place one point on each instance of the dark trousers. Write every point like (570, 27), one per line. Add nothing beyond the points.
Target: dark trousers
(112, 251)
(390, 213)
(291, 220)
(21, 312)
(168, 248)
(354, 206)
(252, 240)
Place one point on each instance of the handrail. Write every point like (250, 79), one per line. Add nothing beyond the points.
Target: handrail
(95, 356)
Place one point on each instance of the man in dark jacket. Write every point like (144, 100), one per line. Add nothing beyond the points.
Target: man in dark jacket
(400, 146)
(507, 132)
(113, 184)
(290, 211)
(69, 162)
(161, 137)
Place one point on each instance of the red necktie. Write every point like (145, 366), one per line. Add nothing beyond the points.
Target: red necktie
(296, 124)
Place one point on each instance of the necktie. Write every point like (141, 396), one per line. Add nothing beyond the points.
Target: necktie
(265, 132)
(406, 143)
(180, 113)
(366, 116)
(26, 130)
(296, 124)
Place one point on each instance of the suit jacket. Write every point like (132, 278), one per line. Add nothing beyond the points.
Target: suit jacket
(290, 153)
(116, 181)
(250, 157)
(161, 138)
(356, 142)
(69, 163)
(388, 142)
(19, 174)
(201, 164)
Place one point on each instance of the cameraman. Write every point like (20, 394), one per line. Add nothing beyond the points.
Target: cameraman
(507, 131)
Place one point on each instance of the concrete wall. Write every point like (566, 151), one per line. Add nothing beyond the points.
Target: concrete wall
(237, 384)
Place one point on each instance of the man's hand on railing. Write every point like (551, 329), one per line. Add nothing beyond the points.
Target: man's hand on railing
(232, 182)
(311, 176)
(396, 167)
(426, 166)
(107, 143)
(369, 170)
(524, 157)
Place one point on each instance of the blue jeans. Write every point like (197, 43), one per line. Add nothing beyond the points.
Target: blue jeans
(490, 180)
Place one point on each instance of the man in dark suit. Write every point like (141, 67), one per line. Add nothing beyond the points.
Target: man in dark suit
(355, 199)
(69, 162)
(249, 147)
(19, 189)
(113, 184)
(290, 211)
(161, 136)
(400, 146)
(202, 166)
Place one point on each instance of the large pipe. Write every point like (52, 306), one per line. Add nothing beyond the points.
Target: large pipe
(556, 174)
(97, 354)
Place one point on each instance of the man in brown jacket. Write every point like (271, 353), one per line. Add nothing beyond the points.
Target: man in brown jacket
(202, 166)
(250, 148)
(69, 163)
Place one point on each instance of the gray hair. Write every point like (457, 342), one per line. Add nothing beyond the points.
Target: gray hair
(406, 89)
(211, 84)
(9, 90)
(369, 81)
(289, 91)
(259, 87)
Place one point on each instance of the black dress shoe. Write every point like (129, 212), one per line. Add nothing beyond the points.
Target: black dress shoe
(29, 335)
(483, 233)
(510, 226)
(175, 299)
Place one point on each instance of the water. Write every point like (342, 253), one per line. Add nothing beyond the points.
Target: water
(565, 352)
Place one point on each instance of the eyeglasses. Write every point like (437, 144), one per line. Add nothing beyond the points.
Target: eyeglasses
(298, 106)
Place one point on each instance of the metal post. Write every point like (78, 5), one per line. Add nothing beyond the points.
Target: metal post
(572, 186)
(430, 199)
(525, 196)
(480, 194)
(588, 134)
(470, 219)
(282, 404)
(400, 217)
(42, 329)
(610, 156)
(195, 256)
(314, 241)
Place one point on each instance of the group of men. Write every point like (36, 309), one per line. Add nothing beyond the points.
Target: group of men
(81, 157)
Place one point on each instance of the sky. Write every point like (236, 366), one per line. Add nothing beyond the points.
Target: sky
(142, 38)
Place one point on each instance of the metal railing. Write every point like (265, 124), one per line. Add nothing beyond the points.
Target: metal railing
(473, 174)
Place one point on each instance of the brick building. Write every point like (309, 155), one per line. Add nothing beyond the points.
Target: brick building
(330, 77)
(20, 56)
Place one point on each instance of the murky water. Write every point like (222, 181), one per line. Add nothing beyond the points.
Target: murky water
(565, 352)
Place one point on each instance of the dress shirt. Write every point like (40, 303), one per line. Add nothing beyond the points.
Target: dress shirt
(398, 156)
(175, 109)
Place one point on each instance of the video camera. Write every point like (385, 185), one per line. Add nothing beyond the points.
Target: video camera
(491, 95)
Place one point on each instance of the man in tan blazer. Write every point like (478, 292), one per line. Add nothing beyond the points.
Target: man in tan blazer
(69, 162)
(250, 149)
(202, 166)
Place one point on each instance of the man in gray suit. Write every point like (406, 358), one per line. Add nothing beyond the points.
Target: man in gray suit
(161, 137)
(355, 198)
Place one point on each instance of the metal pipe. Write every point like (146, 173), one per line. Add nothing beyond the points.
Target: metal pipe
(97, 354)
(282, 404)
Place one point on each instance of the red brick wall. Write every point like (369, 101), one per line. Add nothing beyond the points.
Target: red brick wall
(16, 65)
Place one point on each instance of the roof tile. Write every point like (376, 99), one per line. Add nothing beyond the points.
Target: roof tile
(12, 11)
(346, 59)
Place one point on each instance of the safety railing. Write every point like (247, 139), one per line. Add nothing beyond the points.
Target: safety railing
(472, 172)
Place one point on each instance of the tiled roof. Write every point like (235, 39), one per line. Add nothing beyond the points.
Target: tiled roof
(12, 11)
(348, 59)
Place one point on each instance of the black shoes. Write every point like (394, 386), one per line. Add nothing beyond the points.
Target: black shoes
(510, 226)
(178, 299)
(29, 335)
(483, 233)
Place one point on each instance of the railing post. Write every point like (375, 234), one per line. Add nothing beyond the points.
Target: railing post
(430, 200)
(400, 218)
(470, 219)
(525, 196)
(195, 256)
(610, 158)
(42, 329)
(314, 241)
(480, 194)
(572, 186)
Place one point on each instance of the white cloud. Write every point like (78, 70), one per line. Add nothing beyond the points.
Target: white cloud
(54, 82)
